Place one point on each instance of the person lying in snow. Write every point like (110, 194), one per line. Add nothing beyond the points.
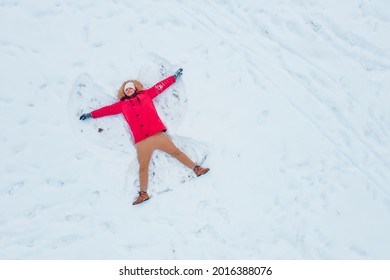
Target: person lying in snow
(136, 105)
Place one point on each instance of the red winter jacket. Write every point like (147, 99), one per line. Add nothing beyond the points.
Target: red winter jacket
(139, 111)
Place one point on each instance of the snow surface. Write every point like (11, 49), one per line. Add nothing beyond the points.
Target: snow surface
(287, 101)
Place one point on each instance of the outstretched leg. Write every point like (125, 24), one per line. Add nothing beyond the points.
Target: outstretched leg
(166, 145)
(144, 155)
(145, 150)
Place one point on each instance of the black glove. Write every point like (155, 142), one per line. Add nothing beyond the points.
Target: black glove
(178, 73)
(83, 117)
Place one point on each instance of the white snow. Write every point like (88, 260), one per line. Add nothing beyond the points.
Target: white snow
(287, 101)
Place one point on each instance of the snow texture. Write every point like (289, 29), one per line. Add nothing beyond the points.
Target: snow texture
(288, 103)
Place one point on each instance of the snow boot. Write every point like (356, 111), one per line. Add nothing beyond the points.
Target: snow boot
(199, 171)
(142, 196)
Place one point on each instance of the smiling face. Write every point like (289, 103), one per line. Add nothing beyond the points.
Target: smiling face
(129, 91)
(134, 84)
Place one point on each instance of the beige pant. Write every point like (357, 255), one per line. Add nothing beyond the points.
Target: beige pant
(145, 148)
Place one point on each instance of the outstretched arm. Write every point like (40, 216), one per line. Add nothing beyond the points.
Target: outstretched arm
(164, 84)
(109, 110)
(160, 87)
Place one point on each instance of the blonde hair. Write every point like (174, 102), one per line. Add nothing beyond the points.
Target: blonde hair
(121, 92)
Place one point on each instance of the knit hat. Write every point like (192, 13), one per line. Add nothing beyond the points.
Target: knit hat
(138, 87)
(129, 85)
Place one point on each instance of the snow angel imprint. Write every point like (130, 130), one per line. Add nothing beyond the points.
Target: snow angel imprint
(136, 105)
